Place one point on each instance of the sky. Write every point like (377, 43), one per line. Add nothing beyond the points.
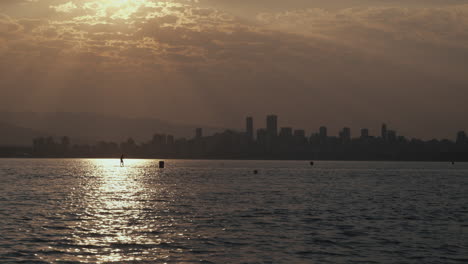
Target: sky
(337, 63)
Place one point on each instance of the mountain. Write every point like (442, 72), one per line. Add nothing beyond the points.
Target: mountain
(12, 135)
(92, 127)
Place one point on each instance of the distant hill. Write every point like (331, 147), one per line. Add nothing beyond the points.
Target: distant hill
(12, 135)
(92, 127)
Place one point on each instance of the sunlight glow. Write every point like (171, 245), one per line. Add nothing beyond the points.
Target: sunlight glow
(113, 9)
(116, 9)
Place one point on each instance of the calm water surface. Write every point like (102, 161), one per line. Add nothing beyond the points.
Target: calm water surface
(94, 211)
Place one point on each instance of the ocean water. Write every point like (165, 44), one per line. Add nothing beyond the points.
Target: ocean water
(94, 211)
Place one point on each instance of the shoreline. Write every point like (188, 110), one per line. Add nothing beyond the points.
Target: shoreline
(234, 159)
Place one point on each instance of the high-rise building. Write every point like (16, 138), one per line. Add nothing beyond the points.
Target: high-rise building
(300, 137)
(364, 133)
(286, 132)
(345, 134)
(384, 132)
(249, 128)
(198, 133)
(272, 125)
(300, 133)
(262, 136)
(461, 137)
(391, 135)
(323, 133)
(170, 139)
(159, 139)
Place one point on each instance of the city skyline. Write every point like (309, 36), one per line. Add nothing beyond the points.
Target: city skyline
(273, 127)
(31, 120)
(271, 142)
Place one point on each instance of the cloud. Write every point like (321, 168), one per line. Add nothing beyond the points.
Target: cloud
(407, 35)
(8, 27)
(65, 8)
(434, 24)
(185, 61)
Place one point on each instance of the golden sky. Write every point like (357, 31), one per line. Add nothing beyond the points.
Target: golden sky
(313, 62)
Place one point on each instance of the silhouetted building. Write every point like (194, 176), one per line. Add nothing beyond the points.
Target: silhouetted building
(286, 132)
(364, 133)
(315, 139)
(262, 136)
(461, 137)
(249, 128)
(300, 139)
(170, 139)
(299, 133)
(159, 139)
(323, 133)
(401, 139)
(384, 132)
(272, 125)
(199, 133)
(345, 134)
(391, 135)
(291, 144)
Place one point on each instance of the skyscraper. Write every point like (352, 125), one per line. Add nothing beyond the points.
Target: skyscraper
(262, 136)
(323, 133)
(286, 132)
(249, 128)
(345, 134)
(300, 133)
(461, 137)
(159, 139)
(391, 135)
(272, 125)
(384, 132)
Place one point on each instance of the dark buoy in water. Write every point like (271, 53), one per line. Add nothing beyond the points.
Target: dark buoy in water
(255, 172)
(311, 163)
(161, 164)
(453, 162)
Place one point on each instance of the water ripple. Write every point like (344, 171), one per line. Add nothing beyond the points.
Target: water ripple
(93, 211)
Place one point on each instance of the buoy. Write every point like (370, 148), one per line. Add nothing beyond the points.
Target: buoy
(255, 171)
(311, 163)
(161, 164)
(453, 162)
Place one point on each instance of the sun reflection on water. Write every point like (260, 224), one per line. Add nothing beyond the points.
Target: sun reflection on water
(115, 209)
